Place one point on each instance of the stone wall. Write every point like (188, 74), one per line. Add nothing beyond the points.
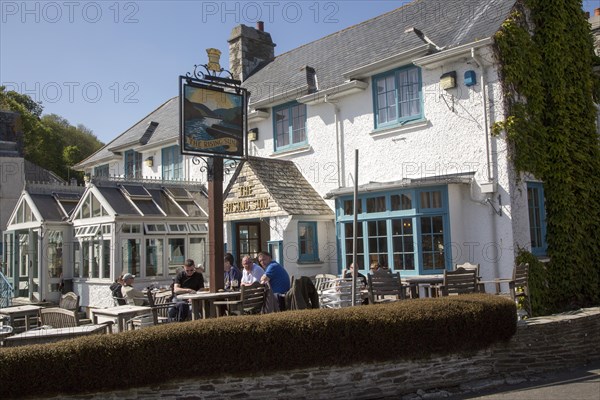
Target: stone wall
(540, 345)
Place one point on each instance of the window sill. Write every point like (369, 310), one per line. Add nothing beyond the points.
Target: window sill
(292, 151)
(406, 127)
(309, 263)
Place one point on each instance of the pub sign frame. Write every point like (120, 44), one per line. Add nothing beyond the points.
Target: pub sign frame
(213, 119)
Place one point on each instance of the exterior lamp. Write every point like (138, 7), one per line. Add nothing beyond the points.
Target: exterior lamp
(448, 80)
(253, 134)
(149, 161)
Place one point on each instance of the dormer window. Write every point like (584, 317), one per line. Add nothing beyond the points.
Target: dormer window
(289, 125)
(397, 96)
(133, 164)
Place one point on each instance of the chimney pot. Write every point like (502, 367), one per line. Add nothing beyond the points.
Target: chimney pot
(260, 25)
(597, 11)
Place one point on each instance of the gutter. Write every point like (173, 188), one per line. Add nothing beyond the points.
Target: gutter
(436, 60)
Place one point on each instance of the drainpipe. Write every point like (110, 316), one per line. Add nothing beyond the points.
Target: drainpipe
(338, 149)
(485, 114)
(496, 266)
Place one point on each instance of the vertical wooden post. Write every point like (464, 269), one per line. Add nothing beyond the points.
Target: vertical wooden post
(215, 223)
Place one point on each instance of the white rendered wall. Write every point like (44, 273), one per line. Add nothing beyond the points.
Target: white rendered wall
(453, 140)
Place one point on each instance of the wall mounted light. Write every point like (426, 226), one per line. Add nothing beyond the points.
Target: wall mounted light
(149, 161)
(448, 80)
(470, 78)
(253, 134)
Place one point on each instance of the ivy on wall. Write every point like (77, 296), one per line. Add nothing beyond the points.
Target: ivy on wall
(546, 55)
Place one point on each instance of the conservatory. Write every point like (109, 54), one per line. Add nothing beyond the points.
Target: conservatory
(83, 239)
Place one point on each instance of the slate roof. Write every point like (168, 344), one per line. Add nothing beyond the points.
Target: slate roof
(167, 116)
(286, 185)
(35, 173)
(46, 198)
(118, 200)
(447, 23)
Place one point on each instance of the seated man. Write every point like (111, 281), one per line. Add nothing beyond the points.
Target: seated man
(276, 275)
(130, 294)
(252, 272)
(187, 281)
(362, 280)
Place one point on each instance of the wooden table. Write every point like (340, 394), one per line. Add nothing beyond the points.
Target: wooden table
(423, 284)
(49, 335)
(498, 284)
(121, 313)
(26, 311)
(203, 301)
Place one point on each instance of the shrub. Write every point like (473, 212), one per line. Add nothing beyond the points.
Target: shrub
(409, 329)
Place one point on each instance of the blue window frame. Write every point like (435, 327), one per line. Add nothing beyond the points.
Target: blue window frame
(407, 230)
(537, 218)
(289, 125)
(101, 170)
(275, 248)
(172, 163)
(133, 164)
(397, 96)
(308, 244)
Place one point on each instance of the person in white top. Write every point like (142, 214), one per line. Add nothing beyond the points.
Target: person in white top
(252, 272)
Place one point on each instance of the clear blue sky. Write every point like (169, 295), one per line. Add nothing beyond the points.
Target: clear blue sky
(107, 64)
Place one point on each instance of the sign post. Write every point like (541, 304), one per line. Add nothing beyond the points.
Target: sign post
(213, 125)
(215, 224)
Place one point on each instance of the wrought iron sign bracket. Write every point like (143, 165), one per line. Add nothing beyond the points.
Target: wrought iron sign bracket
(207, 165)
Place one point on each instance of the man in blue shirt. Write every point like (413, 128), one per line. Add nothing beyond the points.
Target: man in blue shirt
(276, 275)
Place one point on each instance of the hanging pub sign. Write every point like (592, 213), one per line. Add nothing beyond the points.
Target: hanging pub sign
(212, 118)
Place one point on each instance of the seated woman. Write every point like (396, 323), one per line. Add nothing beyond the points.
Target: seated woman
(130, 294)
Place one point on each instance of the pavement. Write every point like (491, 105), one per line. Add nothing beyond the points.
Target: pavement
(582, 383)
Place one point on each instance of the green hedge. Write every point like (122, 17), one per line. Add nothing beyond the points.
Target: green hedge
(409, 329)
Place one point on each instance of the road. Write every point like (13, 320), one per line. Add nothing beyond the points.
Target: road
(579, 384)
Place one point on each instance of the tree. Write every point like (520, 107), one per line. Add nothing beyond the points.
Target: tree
(50, 141)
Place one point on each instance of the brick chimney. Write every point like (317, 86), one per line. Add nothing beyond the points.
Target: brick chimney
(597, 12)
(249, 48)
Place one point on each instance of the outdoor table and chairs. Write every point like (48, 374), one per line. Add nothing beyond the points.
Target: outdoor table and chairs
(26, 312)
(423, 285)
(203, 302)
(518, 287)
(121, 313)
(48, 335)
(251, 301)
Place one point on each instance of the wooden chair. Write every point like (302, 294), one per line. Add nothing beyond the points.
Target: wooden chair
(476, 267)
(252, 299)
(57, 317)
(70, 301)
(519, 289)
(385, 288)
(459, 281)
(160, 304)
